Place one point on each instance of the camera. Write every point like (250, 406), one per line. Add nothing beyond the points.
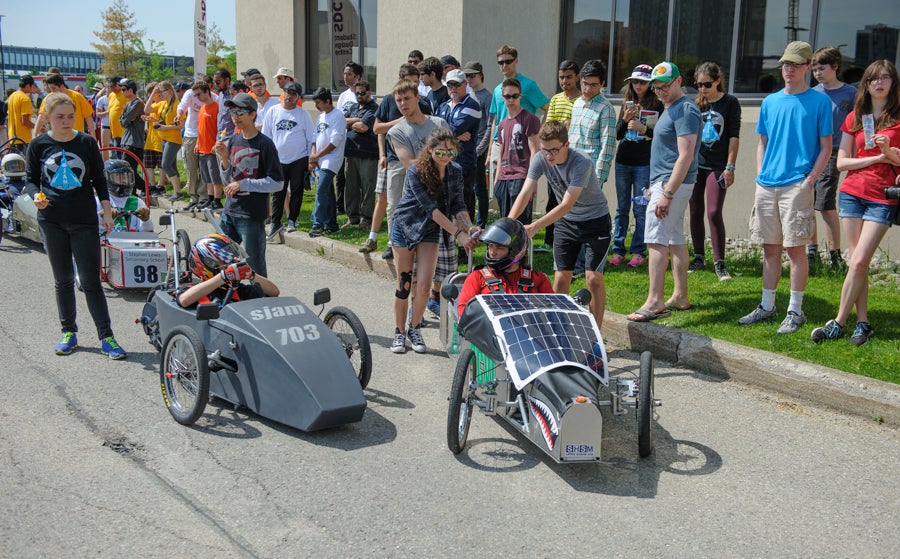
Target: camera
(892, 193)
(157, 125)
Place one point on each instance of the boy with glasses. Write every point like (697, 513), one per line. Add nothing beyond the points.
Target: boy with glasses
(263, 99)
(517, 134)
(795, 131)
(593, 125)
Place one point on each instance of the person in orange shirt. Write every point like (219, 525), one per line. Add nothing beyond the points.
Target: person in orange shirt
(207, 128)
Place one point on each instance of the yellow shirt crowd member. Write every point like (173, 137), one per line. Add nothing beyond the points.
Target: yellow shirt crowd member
(19, 105)
(83, 109)
(117, 103)
(165, 112)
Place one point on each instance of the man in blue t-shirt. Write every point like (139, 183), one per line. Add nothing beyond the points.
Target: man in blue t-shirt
(794, 145)
(825, 64)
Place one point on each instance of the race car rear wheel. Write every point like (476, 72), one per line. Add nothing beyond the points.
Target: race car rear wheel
(352, 335)
(184, 375)
(645, 405)
(462, 396)
(182, 255)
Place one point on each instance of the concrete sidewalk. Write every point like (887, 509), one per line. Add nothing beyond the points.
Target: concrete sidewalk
(817, 384)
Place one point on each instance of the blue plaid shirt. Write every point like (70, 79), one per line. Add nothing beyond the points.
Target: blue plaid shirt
(593, 131)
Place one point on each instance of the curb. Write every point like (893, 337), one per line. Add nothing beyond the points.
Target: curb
(817, 384)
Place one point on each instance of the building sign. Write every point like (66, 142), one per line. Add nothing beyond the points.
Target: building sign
(199, 39)
(344, 37)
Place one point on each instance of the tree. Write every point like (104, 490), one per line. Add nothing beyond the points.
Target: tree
(218, 54)
(154, 65)
(119, 42)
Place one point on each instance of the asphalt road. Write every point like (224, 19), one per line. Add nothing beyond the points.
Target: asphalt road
(91, 463)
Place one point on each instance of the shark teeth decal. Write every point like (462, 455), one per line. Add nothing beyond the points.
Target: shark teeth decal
(544, 417)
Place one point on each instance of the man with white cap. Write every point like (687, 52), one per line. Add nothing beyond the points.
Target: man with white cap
(795, 127)
(283, 77)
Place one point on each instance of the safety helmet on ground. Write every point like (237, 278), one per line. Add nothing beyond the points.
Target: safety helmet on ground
(13, 165)
(119, 177)
(212, 253)
(509, 233)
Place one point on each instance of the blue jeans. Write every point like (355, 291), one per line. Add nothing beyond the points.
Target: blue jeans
(252, 234)
(324, 214)
(631, 181)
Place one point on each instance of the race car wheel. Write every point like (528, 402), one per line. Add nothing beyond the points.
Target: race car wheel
(462, 396)
(182, 255)
(184, 375)
(350, 331)
(645, 405)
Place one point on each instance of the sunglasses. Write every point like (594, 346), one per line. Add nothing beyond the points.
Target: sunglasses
(705, 85)
(444, 153)
(453, 84)
(361, 93)
(511, 95)
(506, 61)
(238, 112)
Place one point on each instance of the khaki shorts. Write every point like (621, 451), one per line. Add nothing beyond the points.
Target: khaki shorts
(670, 229)
(783, 215)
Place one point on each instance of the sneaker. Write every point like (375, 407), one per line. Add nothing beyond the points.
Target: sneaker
(388, 254)
(637, 260)
(416, 340)
(831, 331)
(697, 265)
(543, 248)
(291, 226)
(399, 343)
(274, 230)
(861, 334)
(617, 260)
(759, 314)
(316, 232)
(332, 230)
(838, 264)
(792, 322)
(111, 348)
(371, 245)
(215, 205)
(174, 197)
(721, 271)
(349, 224)
(67, 344)
(434, 307)
(191, 207)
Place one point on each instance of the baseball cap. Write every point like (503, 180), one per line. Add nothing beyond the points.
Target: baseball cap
(293, 87)
(641, 72)
(473, 67)
(450, 59)
(26, 80)
(322, 94)
(797, 52)
(665, 72)
(242, 101)
(286, 72)
(181, 86)
(457, 76)
(128, 84)
(251, 71)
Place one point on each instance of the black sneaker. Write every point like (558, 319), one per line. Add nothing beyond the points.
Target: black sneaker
(831, 331)
(388, 254)
(862, 334)
(722, 271)
(697, 264)
(215, 204)
(316, 232)
(838, 265)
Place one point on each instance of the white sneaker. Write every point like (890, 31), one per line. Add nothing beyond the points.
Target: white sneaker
(416, 340)
(792, 322)
(399, 344)
(759, 314)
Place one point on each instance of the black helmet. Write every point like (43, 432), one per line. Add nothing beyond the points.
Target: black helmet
(119, 177)
(509, 233)
(212, 253)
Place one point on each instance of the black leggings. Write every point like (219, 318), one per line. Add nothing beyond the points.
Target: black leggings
(63, 241)
(295, 174)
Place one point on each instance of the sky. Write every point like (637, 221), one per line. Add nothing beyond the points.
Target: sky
(72, 22)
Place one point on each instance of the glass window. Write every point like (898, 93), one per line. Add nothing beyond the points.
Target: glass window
(767, 26)
(586, 30)
(862, 36)
(640, 37)
(356, 25)
(702, 32)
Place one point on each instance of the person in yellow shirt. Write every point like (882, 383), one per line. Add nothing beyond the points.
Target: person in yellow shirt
(116, 105)
(20, 110)
(160, 113)
(153, 146)
(84, 113)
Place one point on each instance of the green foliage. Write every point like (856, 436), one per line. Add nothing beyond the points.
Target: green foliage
(154, 65)
(119, 42)
(218, 54)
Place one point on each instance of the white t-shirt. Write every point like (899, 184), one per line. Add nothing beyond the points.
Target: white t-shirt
(331, 129)
(292, 131)
(190, 105)
(261, 110)
(347, 98)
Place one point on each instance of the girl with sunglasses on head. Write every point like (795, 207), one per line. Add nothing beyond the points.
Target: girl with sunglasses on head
(634, 131)
(865, 212)
(432, 199)
(160, 112)
(719, 142)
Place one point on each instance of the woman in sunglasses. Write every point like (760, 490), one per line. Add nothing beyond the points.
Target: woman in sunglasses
(432, 199)
(721, 114)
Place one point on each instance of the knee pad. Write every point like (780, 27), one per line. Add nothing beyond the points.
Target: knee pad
(405, 283)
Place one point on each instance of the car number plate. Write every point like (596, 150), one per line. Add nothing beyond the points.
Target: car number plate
(579, 451)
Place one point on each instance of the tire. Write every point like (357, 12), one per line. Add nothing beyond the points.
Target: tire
(352, 335)
(462, 397)
(184, 375)
(182, 255)
(645, 405)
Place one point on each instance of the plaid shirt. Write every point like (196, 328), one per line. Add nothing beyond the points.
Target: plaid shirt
(593, 131)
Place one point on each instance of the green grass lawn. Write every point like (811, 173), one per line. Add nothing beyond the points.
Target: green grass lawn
(719, 305)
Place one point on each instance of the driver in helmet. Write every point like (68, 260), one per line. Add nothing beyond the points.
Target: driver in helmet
(502, 273)
(222, 263)
(13, 169)
(120, 181)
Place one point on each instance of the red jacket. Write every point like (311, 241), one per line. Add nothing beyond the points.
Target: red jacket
(476, 284)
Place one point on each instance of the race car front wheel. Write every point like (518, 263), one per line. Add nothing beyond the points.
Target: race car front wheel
(352, 335)
(462, 396)
(184, 375)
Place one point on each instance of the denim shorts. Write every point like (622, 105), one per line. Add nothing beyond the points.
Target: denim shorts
(866, 210)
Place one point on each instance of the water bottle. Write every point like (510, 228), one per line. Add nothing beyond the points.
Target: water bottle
(631, 135)
(454, 343)
(641, 200)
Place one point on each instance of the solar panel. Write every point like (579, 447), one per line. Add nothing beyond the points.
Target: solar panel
(542, 331)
